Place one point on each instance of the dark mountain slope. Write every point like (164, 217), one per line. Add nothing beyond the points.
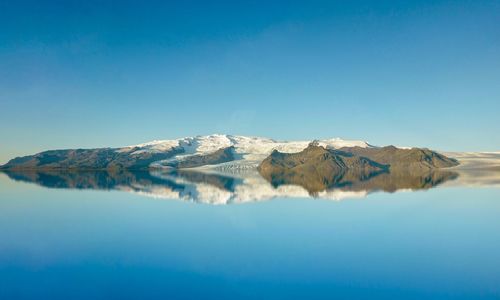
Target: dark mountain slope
(408, 159)
(220, 156)
(89, 159)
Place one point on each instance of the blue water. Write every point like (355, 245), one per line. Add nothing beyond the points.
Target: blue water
(443, 243)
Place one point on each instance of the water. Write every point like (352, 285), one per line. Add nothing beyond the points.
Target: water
(109, 241)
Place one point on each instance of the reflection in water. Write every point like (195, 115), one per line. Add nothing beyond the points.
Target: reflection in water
(225, 189)
(375, 181)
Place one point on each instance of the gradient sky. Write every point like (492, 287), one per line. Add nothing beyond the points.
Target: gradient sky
(96, 73)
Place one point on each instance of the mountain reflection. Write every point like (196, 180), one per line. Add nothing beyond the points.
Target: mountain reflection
(224, 189)
(354, 181)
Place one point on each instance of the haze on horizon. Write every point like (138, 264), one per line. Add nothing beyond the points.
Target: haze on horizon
(102, 73)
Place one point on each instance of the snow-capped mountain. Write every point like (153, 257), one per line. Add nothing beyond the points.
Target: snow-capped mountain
(250, 150)
(230, 153)
(242, 144)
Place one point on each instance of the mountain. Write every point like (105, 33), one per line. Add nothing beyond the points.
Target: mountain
(90, 159)
(199, 151)
(227, 153)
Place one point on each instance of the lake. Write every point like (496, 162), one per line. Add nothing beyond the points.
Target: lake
(141, 235)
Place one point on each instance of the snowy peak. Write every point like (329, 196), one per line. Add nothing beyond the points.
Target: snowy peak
(248, 151)
(251, 147)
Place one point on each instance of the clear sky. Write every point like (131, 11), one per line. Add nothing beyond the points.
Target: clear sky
(96, 73)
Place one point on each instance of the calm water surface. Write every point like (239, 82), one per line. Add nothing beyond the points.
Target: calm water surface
(440, 243)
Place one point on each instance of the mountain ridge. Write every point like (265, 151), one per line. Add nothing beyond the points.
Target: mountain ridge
(155, 153)
(211, 151)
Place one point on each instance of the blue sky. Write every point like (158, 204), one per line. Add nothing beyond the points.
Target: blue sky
(96, 73)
